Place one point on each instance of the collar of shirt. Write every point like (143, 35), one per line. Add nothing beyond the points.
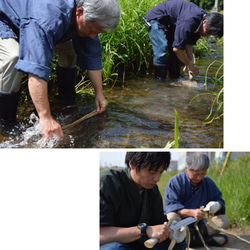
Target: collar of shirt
(196, 31)
(204, 16)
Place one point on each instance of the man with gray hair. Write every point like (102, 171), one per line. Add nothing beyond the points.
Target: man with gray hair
(30, 33)
(187, 192)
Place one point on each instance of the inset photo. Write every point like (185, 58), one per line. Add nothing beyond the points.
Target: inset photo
(174, 200)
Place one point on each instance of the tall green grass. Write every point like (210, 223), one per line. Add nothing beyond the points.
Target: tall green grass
(128, 48)
(234, 184)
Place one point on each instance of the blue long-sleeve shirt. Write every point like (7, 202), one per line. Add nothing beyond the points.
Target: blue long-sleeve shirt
(180, 18)
(39, 26)
(180, 193)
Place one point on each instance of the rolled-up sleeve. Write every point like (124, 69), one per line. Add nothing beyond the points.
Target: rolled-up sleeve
(36, 49)
(184, 33)
(89, 53)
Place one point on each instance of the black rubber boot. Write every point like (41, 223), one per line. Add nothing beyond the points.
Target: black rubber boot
(216, 240)
(8, 110)
(174, 66)
(195, 240)
(160, 71)
(66, 83)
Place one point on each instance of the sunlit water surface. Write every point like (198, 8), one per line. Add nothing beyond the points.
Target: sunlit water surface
(140, 114)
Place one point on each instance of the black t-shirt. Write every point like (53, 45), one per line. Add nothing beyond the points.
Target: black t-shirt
(123, 205)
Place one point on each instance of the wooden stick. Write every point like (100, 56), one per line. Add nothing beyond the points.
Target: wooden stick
(103, 104)
(225, 162)
(217, 165)
(150, 243)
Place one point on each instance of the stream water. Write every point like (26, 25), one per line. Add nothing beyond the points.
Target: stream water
(140, 114)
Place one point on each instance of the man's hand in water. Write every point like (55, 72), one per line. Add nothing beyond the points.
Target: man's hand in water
(49, 126)
(38, 90)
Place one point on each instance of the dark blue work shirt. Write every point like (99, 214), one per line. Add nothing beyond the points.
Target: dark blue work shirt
(180, 18)
(41, 24)
(180, 193)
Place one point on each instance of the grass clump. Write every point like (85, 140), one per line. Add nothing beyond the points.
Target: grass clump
(127, 50)
(234, 183)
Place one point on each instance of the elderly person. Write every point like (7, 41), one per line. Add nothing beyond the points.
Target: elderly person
(29, 33)
(175, 26)
(186, 192)
(131, 209)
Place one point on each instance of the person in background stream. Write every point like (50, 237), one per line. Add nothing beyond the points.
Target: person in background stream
(187, 192)
(175, 26)
(30, 32)
(131, 209)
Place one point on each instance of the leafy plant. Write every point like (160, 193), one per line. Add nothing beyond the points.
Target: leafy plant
(202, 47)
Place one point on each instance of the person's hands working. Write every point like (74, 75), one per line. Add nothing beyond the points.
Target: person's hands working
(212, 207)
(160, 232)
(179, 235)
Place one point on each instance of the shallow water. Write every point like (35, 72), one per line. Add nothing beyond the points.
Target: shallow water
(139, 114)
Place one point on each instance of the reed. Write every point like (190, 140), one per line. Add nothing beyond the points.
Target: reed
(127, 50)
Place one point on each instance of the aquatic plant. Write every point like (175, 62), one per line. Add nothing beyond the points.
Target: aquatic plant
(175, 143)
(216, 94)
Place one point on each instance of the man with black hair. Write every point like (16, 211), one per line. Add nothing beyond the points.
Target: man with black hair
(131, 208)
(175, 26)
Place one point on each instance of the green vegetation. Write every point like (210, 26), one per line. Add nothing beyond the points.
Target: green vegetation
(175, 143)
(215, 94)
(234, 183)
(207, 4)
(127, 51)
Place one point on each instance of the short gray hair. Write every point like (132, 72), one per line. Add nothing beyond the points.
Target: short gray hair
(197, 161)
(104, 12)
